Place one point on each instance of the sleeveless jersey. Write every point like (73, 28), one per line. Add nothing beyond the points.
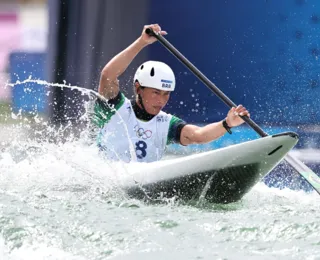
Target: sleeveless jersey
(123, 136)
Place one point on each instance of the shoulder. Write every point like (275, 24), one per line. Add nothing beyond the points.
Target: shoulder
(175, 127)
(112, 104)
(118, 101)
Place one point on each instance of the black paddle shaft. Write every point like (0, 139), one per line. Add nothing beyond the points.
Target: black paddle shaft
(203, 78)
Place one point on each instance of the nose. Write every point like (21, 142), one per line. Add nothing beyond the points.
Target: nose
(162, 100)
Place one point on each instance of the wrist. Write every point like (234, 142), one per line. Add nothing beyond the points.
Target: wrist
(228, 122)
(226, 125)
(141, 43)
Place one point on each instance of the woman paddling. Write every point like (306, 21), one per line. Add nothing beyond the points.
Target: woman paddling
(139, 129)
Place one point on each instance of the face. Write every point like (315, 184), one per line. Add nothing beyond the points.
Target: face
(153, 99)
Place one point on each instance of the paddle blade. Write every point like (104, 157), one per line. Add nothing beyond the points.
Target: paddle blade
(304, 171)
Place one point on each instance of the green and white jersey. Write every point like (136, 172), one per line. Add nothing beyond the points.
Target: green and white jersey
(125, 137)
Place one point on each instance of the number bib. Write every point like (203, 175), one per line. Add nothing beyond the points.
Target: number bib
(125, 137)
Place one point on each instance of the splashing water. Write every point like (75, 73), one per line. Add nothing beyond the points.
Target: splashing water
(91, 96)
(61, 200)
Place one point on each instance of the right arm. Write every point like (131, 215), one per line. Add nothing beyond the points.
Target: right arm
(109, 84)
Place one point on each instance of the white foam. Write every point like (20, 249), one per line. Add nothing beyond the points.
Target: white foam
(36, 251)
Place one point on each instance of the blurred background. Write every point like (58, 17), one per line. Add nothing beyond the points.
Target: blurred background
(261, 53)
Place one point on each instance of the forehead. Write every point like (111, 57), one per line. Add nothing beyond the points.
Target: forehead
(158, 90)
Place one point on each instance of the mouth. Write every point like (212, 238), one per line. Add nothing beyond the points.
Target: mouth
(157, 107)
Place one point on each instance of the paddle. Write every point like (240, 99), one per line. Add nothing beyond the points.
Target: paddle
(312, 178)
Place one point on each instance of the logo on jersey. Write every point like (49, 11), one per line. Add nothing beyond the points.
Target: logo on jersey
(141, 133)
(162, 119)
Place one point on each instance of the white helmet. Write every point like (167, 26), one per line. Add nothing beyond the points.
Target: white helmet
(155, 74)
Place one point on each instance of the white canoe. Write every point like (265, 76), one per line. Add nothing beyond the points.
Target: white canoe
(220, 176)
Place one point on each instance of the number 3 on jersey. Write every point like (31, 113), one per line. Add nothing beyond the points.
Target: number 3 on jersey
(141, 147)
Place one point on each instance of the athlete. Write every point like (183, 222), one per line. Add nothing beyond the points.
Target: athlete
(138, 130)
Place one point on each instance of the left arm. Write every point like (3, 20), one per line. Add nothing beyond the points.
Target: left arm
(192, 134)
